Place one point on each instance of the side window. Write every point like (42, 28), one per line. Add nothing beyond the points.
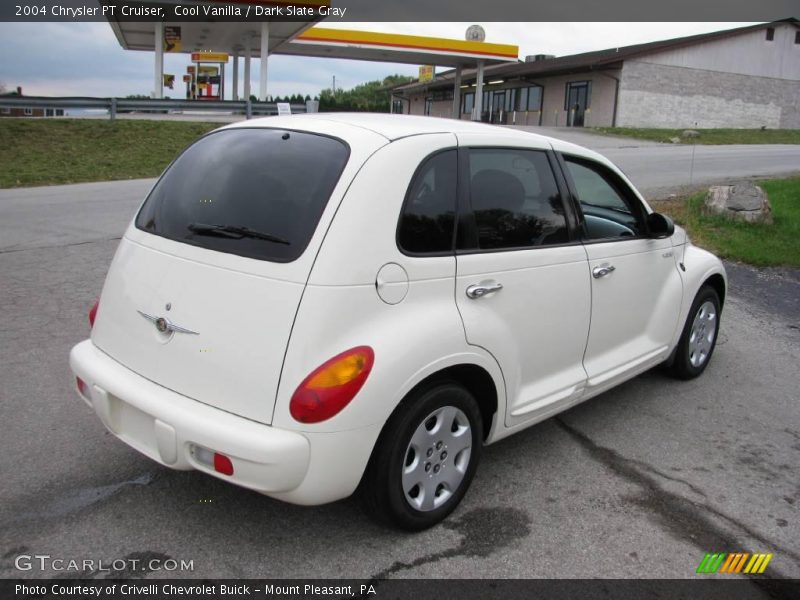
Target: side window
(515, 200)
(426, 224)
(606, 210)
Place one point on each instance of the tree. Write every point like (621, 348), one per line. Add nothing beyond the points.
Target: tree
(373, 96)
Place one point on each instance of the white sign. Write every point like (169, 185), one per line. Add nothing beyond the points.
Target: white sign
(284, 109)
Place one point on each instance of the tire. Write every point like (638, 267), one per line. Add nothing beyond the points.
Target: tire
(699, 337)
(425, 458)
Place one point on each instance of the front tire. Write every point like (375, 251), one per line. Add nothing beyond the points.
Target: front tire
(699, 337)
(425, 458)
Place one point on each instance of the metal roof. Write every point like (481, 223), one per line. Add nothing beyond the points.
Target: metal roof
(599, 59)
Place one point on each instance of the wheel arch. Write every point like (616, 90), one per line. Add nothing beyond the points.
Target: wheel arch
(473, 377)
(717, 283)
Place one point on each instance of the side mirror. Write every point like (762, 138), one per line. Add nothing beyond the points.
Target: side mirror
(660, 226)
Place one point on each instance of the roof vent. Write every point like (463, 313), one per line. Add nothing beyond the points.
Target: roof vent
(538, 57)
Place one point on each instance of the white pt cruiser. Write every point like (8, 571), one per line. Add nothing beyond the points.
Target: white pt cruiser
(314, 305)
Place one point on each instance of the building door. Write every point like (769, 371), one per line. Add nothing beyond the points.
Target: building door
(497, 113)
(577, 102)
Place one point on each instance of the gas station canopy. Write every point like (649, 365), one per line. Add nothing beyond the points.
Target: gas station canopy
(397, 48)
(301, 38)
(215, 37)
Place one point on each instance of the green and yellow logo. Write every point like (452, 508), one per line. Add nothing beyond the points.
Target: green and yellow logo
(737, 562)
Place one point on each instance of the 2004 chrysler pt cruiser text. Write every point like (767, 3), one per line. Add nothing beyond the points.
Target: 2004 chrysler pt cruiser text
(281, 311)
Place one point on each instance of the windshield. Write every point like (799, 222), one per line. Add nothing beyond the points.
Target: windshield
(254, 192)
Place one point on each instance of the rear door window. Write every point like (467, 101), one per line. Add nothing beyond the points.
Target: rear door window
(254, 192)
(515, 200)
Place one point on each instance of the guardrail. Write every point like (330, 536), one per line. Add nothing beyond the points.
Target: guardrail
(118, 105)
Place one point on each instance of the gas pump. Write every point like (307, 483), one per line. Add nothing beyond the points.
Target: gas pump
(207, 76)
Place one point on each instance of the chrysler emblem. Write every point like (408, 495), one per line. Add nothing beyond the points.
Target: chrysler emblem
(164, 325)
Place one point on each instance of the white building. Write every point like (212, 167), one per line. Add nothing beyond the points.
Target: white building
(747, 77)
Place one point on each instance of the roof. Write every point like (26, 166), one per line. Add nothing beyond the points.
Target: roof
(598, 59)
(389, 126)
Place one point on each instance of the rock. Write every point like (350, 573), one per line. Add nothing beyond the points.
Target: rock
(675, 140)
(690, 133)
(743, 201)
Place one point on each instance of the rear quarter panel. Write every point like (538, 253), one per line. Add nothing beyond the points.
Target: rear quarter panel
(341, 308)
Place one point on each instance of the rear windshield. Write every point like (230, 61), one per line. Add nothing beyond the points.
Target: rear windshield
(253, 192)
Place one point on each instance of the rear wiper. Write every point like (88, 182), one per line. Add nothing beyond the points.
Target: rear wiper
(236, 232)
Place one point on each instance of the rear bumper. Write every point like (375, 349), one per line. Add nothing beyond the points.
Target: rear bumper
(169, 428)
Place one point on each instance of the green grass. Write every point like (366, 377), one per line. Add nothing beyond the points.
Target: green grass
(55, 151)
(709, 136)
(756, 244)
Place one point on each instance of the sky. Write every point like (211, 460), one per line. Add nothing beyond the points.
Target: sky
(85, 59)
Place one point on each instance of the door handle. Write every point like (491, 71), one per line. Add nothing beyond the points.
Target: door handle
(602, 271)
(479, 290)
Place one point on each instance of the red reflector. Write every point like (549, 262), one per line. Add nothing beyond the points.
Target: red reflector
(82, 387)
(222, 464)
(331, 387)
(93, 312)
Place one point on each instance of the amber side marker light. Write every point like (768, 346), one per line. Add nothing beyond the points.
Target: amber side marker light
(332, 385)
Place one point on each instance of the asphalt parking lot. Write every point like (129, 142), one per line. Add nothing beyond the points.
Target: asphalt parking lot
(638, 483)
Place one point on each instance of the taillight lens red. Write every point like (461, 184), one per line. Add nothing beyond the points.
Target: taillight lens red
(93, 312)
(332, 385)
(82, 387)
(223, 464)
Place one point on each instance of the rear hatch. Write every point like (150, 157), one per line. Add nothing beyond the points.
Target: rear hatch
(203, 291)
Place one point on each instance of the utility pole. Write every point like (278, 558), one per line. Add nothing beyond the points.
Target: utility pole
(334, 85)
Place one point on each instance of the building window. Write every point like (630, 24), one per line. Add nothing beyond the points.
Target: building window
(770, 34)
(468, 103)
(28, 112)
(428, 106)
(442, 95)
(5, 111)
(510, 100)
(797, 37)
(535, 98)
(522, 99)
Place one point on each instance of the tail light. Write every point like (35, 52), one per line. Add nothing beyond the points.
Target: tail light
(222, 464)
(332, 385)
(82, 387)
(93, 312)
